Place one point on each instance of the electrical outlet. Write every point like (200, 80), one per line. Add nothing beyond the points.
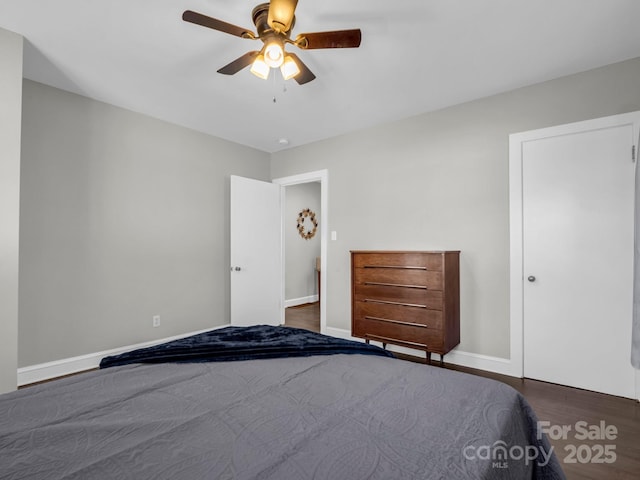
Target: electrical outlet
(156, 320)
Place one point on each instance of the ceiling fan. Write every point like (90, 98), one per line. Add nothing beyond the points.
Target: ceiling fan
(274, 22)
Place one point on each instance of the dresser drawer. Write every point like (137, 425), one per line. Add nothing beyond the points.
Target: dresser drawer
(387, 332)
(418, 260)
(432, 279)
(421, 297)
(398, 313)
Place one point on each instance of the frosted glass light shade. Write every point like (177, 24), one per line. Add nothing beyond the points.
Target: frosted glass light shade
(289, 68)
(259, 67)
(273, 55)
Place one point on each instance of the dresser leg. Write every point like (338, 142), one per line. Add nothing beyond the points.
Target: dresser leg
(428, 358)
(366, 340)
(384, 345)
(442, 360)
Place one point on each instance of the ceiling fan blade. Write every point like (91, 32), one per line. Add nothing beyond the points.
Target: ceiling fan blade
(335, 39)
(239, 63)
(281, 14)
(214, 23)
(305, 75)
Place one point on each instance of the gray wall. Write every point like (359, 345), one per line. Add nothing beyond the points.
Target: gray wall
(300, 254)
(10, 113)
(440, 181)
(122, 217)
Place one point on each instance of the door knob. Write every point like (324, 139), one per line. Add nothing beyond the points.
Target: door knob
(531, 278)
(237, 269)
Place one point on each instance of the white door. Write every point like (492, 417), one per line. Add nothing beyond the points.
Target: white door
(577, 214)
(256, 252)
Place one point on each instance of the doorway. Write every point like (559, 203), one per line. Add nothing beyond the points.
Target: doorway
(320, 177)
(301, 237)
(572, 253)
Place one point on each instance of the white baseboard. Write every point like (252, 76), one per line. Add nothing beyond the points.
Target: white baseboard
(300, 301)
(455, 357)
(67, 366)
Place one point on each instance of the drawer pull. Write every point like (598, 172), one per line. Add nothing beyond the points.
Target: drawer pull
(403, 267)
(382, 284)
(399, 322)
(369, 300)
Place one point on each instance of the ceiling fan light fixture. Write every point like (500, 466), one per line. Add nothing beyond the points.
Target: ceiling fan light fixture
(260, 68)
(274, 21)
(289, 68)
(274, 54)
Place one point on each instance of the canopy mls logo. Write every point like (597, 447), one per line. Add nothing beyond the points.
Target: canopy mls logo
(500, 454)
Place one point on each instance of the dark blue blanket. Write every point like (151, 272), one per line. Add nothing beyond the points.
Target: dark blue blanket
(243, 343)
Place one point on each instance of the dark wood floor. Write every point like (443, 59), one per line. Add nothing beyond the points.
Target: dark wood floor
(558, 405)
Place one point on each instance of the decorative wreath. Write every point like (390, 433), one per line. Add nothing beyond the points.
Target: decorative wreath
(302, 216)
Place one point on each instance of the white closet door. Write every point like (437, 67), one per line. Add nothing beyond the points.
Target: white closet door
(577, 212)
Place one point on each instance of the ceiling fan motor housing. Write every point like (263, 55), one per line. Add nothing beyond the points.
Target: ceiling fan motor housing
(260, 16)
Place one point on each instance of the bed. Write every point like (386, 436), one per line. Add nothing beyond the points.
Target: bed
(270, 403)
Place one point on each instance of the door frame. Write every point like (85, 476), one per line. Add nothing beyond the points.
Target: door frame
(516, 220)
(321, 176)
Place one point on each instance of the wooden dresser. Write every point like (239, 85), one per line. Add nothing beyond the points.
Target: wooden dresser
(407, 298)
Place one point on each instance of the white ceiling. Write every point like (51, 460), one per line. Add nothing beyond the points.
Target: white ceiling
(416, 56)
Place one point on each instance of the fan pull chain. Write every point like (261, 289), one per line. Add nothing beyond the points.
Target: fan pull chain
(275, 100)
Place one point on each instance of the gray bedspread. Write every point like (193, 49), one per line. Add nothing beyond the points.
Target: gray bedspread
(322, 417)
